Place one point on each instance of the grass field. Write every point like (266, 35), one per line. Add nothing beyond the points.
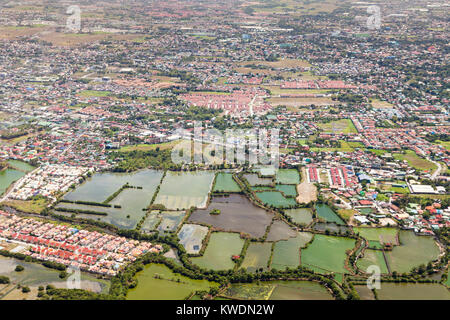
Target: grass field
(339, 126)
(148, 147)
(415, 161)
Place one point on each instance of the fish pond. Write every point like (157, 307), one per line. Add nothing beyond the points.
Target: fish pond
(158, 282)
(413, 251)
(326, 213)
(237, 214)
(279, 290)
(183, 190)
(219, 251)
(286, 253)
(300, 215)
(327, 254)
(225, 183)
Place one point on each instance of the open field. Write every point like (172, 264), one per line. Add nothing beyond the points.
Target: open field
(295, 103)
(338, 126)
(307, 191)
(149, 147)
(237, 214)
(415, 161)
(221, 247)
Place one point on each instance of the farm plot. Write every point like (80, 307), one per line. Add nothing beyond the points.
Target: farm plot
(286, 253)
(237, 214)
(191, 237)
(222, 246)
(182, 190)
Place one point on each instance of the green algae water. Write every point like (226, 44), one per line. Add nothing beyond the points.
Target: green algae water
(158, 282)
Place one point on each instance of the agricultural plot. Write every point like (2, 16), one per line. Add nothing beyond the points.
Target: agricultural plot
(225, 183)
(257, 256)
(327, 254)
(158, 282)
(275, 199)
(372, 257)
(191, 237)
(280, 230)
(182, 190)
(325, 212)
(412, 252)
(286, 253)
(301, 215)
(415, 161)
(222, 246)
(237, 214)
(339, 126)
(287, 176)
